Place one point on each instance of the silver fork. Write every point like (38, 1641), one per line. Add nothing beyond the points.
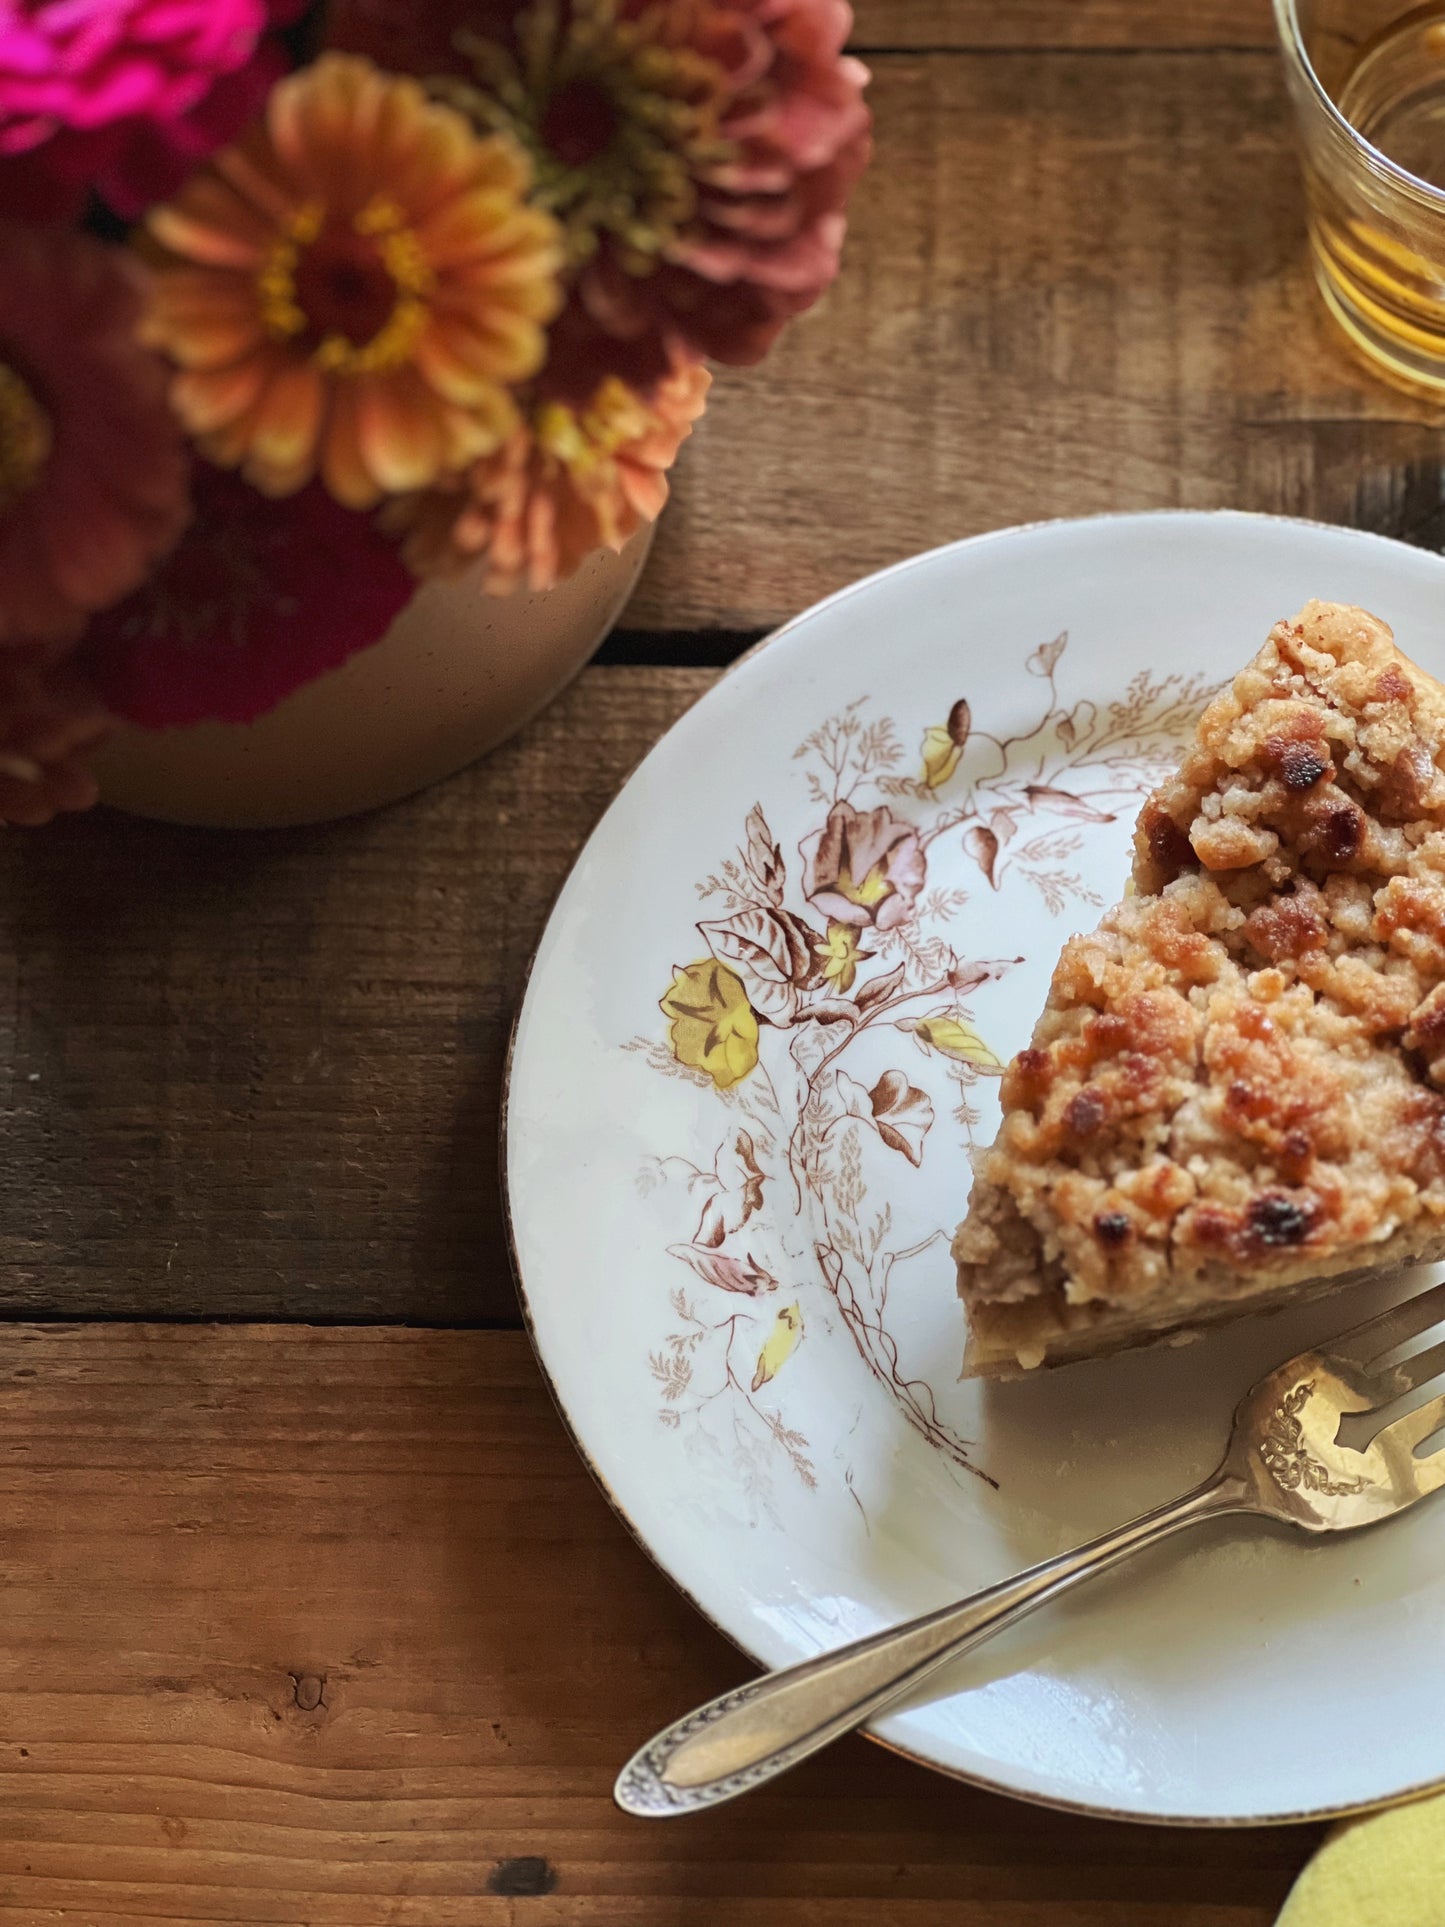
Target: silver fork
(1286, 1460)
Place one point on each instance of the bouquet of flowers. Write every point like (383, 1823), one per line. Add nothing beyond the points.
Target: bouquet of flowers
(300, 304)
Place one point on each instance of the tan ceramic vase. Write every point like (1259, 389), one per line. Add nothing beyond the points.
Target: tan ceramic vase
(456, 673)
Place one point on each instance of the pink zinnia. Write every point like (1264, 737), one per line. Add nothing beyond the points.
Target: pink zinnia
(699, 157)
(124, 95)
(93, 468)
(259, 597)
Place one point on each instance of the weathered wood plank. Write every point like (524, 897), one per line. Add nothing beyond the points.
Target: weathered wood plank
(258, 1074)
(955, 24)
(1073, 284)
(333, 1627)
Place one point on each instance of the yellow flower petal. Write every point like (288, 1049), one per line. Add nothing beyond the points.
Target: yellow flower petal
(399, 431)
(449, 372)
(478, 430)
(940, 756)
(205, 327)
(207, 399)
(199, 239)
(782, 1341)
(288, 420)
(342, 468)
(712, 1027)
(840, 955)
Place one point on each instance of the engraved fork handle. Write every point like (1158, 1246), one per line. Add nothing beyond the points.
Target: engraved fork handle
(745, 1738)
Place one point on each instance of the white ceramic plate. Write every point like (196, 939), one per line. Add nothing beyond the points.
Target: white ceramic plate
(731, 1217)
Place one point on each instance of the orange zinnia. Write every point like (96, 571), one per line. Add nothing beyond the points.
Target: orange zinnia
(352, 288)
(570, 480)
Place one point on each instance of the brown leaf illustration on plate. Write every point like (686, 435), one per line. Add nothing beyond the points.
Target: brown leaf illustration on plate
(764, 857)
(769, 955)
(901, 1114)
(1045, 658)
(982, 846)
(1065, 803)
(832, 1010)
(740, 1181)
(744, 1275)
(879, 989)
(968, 976)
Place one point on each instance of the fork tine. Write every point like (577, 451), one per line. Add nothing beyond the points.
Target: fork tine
(1363, 1344)
(1415, 1427)
(1410, 1374)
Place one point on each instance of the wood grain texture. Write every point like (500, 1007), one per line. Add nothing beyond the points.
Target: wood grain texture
(332, 1627)
(1105, 24)
(1073, 283)
(258, 1074)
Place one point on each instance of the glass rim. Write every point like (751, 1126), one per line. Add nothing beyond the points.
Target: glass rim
(1286, 16)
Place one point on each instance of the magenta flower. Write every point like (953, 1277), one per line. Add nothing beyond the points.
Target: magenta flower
(125, 96)
(767, 231)
(258, 597)
(865, 868)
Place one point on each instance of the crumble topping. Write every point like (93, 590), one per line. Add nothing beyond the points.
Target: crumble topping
(1238, 1082)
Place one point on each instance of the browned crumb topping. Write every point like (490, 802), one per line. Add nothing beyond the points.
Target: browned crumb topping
(1237, 1080)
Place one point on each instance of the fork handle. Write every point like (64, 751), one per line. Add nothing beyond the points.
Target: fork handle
(746, 1737)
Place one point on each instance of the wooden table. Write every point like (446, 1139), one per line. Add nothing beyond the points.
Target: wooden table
(310, 1613)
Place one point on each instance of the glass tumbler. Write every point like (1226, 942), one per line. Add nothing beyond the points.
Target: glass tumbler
(1367, 81)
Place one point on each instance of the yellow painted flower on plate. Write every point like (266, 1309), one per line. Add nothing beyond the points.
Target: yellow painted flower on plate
(840, 956)
(712, 1027)
(353, 288)
(781, 1343)
(944, 744)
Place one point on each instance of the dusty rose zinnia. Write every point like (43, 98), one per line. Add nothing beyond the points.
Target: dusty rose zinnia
(257, 598)
(126, 95)
(92, 466)
(569, 480)
(699, 156)
(51, 717)
(350, 290)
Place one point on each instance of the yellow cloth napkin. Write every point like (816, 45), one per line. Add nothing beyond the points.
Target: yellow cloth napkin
(1387, 1870)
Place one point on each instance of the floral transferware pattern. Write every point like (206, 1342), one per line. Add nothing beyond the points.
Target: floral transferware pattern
(861, 938)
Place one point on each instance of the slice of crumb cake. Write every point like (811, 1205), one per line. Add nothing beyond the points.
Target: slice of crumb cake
(1236, 1092)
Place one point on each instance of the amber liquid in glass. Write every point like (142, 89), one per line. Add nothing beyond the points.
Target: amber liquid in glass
(1383, 274)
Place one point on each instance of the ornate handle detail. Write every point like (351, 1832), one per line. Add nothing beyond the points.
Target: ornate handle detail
(747, 1736)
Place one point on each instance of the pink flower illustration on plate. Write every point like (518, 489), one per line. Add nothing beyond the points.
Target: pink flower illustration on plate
(866, 867)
